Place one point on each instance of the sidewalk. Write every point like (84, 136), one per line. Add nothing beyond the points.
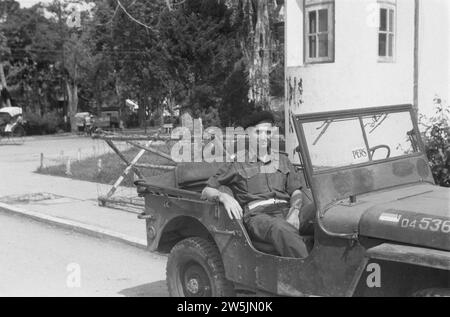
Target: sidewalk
(60, 201)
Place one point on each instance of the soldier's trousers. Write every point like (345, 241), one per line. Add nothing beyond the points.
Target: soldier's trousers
(268, 224)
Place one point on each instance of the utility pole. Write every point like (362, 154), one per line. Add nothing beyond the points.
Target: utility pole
(63, 58)
(416, 55)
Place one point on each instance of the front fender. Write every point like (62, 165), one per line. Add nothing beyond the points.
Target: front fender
(411, 255)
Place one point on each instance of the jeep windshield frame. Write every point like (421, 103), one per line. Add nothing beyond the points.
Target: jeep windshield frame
(326, 119)
(333, 184)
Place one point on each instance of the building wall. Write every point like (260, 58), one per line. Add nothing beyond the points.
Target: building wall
(356, 78)
(434, 53)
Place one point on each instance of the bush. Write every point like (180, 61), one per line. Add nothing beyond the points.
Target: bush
(210, 117)
(36, 124)
(437, 142)
(131, 120)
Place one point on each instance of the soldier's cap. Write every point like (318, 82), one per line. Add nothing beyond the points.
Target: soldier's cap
(257, 118)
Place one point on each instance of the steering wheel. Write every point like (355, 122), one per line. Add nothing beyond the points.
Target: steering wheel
(382, 146)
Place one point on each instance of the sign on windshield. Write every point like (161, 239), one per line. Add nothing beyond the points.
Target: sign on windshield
(335, 143)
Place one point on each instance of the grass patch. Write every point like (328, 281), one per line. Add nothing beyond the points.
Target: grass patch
(112, 167)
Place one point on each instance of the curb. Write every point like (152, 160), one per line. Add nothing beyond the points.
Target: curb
(75, 226)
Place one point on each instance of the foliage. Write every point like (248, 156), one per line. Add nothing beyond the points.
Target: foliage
(210, 118)
(258, 26)
(4, 49)
(36, 124)
(190, 56)
(199, 51)
(437, 142)
(235, 105)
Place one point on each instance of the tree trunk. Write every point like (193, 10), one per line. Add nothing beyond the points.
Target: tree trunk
(257, 51)
(72, 94)
(3, 84)
(262, 55)
(141, 112)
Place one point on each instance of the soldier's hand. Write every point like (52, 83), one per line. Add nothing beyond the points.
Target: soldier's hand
(293, 217)
(231, 205)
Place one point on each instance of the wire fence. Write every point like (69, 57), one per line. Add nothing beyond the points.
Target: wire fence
(67, 158)
(96, 163)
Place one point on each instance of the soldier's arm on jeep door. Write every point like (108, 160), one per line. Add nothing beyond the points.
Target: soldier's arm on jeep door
(217, 190)
(219, 183)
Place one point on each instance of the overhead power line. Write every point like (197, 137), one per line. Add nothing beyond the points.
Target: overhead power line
(132, 18)
(45, 50)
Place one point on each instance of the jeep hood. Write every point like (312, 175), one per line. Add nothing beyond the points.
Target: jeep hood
(416, 215)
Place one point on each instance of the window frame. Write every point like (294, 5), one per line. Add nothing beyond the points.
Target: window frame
(311, 6)
(387, 6)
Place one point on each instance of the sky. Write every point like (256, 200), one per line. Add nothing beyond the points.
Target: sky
(29, 3)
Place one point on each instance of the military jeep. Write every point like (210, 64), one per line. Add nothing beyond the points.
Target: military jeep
(382, 226)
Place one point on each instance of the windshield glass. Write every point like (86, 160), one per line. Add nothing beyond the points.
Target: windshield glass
(391, 134)
(335, 143)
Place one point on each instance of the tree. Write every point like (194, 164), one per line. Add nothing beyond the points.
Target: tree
(20, 26)
(4, 52)
(181, 56)
(198, 51)
(131, 47)
(209, 56)
(6, 7)
(256, 18)
(75, 60)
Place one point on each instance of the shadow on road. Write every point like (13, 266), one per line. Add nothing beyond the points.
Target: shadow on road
(155, 289)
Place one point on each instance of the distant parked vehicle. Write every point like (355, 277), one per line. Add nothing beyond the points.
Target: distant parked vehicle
(81, 120)
(108, 119)
(11, 123)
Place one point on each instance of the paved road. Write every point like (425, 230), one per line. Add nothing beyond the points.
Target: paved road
(41, 260)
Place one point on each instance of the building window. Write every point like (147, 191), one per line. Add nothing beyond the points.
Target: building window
(386, 33)
(319, 35)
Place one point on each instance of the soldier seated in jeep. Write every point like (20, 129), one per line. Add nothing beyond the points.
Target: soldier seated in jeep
(268, 192)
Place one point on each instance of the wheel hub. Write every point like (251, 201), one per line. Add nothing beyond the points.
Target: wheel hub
(196, 282)
(192, 286)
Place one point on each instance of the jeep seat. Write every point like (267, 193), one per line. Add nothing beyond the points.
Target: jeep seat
(187, 176)
(193, 176)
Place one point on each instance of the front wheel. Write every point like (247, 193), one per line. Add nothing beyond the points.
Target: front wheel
(195, 269)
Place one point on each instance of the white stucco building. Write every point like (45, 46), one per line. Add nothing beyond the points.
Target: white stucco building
(343, 54)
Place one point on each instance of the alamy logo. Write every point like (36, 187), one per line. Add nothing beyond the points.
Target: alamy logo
(374, 277)
(373, 15)
(73, 279)
(215, 145)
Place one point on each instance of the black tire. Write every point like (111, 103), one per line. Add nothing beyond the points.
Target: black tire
(433, 292)
(195, 269)
(18, 132)
(17, 135)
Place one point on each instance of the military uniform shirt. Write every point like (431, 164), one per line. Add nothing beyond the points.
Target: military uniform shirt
(249, 183)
